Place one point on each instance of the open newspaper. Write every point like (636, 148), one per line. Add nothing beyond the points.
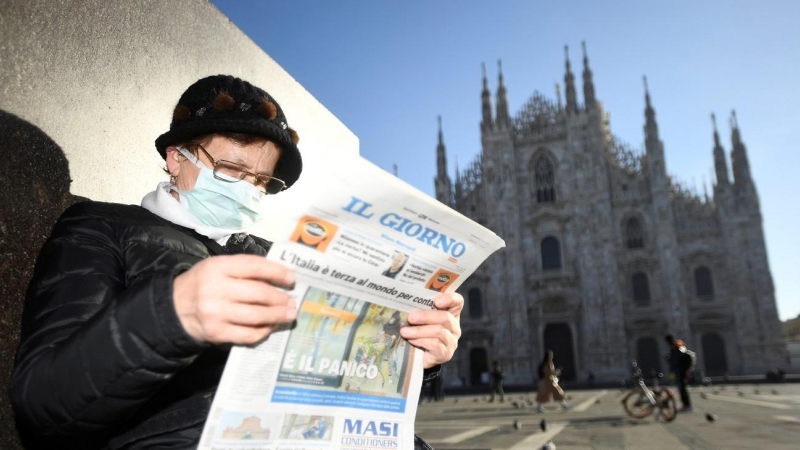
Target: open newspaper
(366, 250)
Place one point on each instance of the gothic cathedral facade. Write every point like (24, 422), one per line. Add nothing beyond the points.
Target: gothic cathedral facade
(605, 253)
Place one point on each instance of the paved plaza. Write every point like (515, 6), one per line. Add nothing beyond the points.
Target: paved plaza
(748, 416)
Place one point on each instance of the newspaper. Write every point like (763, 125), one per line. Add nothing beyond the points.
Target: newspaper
(366, 250)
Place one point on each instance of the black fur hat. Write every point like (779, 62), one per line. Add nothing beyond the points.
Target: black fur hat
(222, 103)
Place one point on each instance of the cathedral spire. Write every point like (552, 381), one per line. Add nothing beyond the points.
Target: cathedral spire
(741, 167)
(720, 165)
(457, 189)
(486, 101)
(502, 99)
(650, 127)
(736, 137)
(442, 181)
(558, 96)
(441, 153)
(569, 84)
(588, 84)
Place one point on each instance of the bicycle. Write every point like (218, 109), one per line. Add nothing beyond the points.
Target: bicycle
(641, 401)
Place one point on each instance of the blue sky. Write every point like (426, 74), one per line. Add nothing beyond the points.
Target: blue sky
(387, 69)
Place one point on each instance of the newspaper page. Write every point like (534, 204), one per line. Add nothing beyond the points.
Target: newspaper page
(367, 250)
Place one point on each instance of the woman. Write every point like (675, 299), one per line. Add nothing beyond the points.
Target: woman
(548, 384)
(131, 311)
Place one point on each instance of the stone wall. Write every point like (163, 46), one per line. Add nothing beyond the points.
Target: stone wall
(86, 86)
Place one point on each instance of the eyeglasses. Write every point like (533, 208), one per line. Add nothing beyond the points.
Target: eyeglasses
(231, 172)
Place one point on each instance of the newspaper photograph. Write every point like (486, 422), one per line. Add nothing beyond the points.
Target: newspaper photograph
(365, 253)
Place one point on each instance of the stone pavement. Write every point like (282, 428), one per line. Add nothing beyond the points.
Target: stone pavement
(747, 417)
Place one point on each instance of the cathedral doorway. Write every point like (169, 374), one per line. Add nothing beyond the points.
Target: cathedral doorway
(558, 338)
(714, 354)
(647, 356)
(479, 364)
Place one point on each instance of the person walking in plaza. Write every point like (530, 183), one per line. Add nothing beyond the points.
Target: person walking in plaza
(548, 384)
(681, 361)
(497, 382)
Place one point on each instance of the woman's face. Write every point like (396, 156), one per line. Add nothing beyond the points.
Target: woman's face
(258, 157)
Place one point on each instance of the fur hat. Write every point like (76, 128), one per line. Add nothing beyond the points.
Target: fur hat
(222, 103)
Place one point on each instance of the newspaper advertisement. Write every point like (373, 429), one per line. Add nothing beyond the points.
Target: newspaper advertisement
(366, 251)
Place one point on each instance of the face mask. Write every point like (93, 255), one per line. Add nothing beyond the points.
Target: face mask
(231, 206)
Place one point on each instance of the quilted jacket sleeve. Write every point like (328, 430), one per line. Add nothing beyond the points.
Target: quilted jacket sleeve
(95, 346)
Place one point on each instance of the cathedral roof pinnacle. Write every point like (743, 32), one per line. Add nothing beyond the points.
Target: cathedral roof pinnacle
(569, 84)
(588, 84)
(558, 95)
(739, 163)
(735, 135)
(720, 164)
(566, 57)
(585, 57)
(486, 101)
(441, 153)
(502, 99)
(716, 134)
(651, 127)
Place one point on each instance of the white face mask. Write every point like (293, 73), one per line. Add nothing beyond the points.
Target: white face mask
(232, 206)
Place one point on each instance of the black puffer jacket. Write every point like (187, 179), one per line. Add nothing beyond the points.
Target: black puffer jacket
(104, 362)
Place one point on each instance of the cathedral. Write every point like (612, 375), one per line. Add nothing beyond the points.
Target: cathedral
(605, 252)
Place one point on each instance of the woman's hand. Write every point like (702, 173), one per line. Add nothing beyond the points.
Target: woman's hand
(234, 299)
(436, 332)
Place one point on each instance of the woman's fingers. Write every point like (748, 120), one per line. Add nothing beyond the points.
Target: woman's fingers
(436, 352)
(444, 319)
(259, 316)
(436, 332)
(240, 335)
(252, 267)
(255, 292)
(220, 297)
(451, 302)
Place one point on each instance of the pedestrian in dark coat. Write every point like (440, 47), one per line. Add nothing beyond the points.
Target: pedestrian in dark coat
(131, 311)
(679, 365)
(497, 382)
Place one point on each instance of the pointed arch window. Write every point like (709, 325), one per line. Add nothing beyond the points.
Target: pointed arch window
(551, 253)
(545, 181)
(475, 303)
(634, 233)
(641, 289)
(704, 285)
